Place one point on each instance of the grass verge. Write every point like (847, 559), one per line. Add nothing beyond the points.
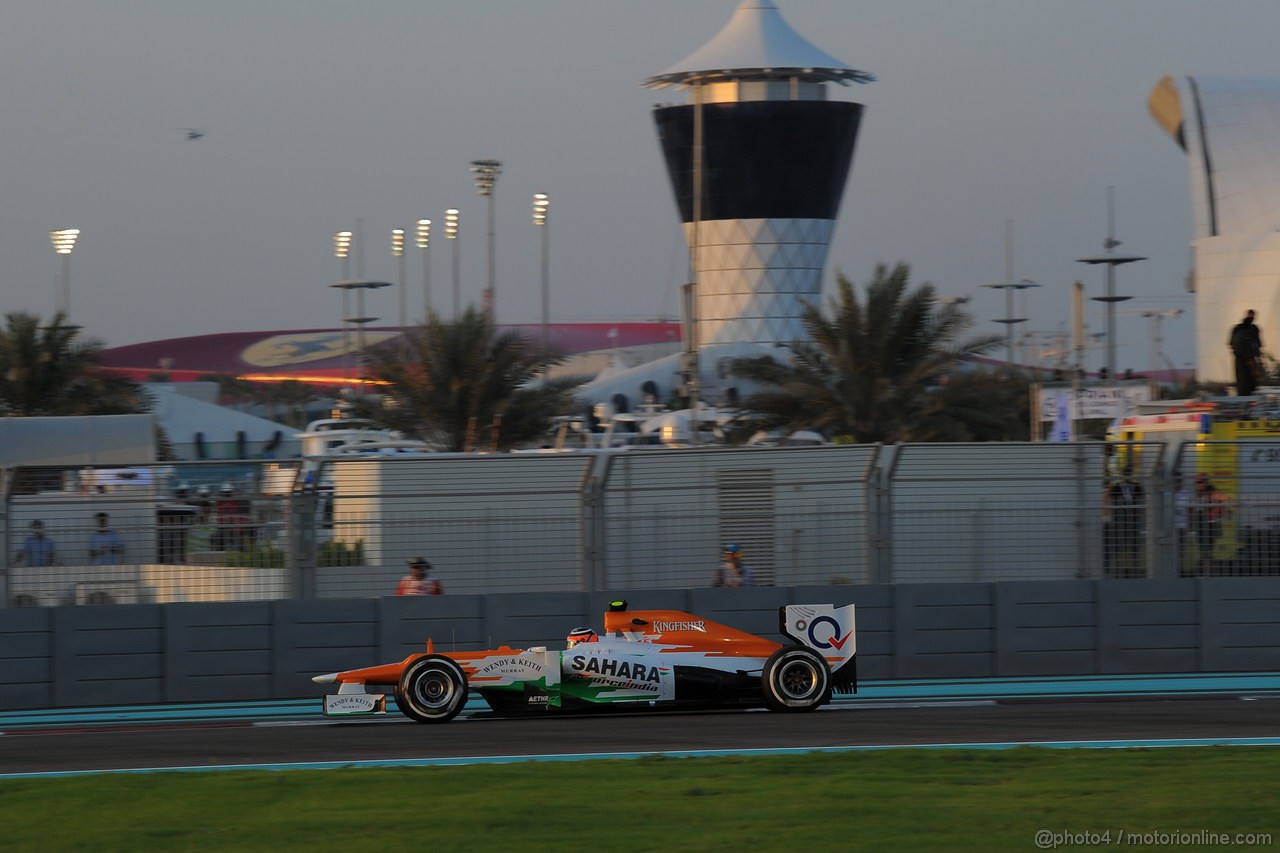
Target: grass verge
(953, 800)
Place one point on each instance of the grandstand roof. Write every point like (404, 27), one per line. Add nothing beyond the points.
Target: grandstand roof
(328, 355)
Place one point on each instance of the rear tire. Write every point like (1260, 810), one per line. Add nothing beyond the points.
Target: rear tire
(795, 678)
(432, 689)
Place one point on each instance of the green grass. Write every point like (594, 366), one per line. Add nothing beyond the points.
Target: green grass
(934, 800)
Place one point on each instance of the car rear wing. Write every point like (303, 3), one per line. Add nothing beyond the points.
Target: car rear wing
(829, 631)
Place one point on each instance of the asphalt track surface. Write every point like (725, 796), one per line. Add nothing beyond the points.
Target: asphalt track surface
(482, 737)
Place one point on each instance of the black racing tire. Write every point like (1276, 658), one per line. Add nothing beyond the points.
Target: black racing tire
(432, 689)
(795, 678)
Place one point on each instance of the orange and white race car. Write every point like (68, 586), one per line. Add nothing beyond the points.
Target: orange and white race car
(642, 659)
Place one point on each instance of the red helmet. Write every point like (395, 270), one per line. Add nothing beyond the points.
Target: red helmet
(581, 635)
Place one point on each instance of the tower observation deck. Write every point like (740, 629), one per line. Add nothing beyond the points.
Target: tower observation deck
(758, 161)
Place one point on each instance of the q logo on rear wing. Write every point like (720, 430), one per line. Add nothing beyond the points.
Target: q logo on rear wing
(828, 630)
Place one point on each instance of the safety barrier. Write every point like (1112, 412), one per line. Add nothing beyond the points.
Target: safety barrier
(262, 650)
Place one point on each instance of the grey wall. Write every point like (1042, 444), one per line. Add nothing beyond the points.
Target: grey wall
(141, 654)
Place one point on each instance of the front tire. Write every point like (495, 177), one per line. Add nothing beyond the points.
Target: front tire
(795, 678)
(432, 689)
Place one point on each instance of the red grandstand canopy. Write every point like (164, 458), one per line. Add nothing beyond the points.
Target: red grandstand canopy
(328, 355)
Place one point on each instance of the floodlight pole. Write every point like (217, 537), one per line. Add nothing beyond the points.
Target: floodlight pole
(541, 209)
(64, 240)
(486, 173)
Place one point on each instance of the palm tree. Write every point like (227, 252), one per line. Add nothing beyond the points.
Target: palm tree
(977, 405)
(295, 397)
(870, 371)
(49, 370)
(464, 385)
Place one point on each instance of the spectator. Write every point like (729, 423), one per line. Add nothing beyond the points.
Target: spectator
(733, 570)
(1182, 524)
(202, 533)
(106, 548)
(37, 549)
(1126, 503)
(419, 581)
(1246, 347)
(231, 515)
(1208, 510)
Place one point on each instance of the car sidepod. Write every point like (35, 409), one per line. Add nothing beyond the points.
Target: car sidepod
(615, 673)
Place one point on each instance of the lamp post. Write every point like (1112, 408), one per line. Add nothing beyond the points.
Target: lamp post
(451, 234)
(397, 251)
(1156, 359)
(1112, 260)
(342, 251)
(690, 364)
(1009, 320)
(486, 173)
(541, 206)
(360, 320)
(424, 243)
(64, 240)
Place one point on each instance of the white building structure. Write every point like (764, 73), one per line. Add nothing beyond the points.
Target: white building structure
(1229, 127)
(758, 161)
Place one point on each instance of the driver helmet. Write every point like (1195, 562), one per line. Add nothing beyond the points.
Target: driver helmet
(581, 635)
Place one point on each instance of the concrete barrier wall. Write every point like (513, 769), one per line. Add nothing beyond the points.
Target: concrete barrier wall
(260, 650)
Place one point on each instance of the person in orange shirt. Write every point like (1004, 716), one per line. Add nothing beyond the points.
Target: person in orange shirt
(419, 581)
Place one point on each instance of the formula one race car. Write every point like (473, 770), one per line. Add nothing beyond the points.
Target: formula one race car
(643, 659)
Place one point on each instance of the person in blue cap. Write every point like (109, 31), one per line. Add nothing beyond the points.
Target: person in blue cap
(733, 570)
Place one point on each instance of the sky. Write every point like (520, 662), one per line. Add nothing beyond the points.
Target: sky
(992, 140)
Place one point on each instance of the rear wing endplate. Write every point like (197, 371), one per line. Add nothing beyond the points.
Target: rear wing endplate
(829, 631)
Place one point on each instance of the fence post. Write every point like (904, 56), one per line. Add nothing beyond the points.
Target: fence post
(4, 532)
(592, 575)
(1163, 535)
(879, 523)
(301, 543)
(1081, 524)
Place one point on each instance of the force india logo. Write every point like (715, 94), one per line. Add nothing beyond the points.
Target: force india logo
(824, 633)
(621, 669)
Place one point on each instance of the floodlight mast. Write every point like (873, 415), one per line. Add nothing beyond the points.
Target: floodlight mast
(424, 243)
(541, 210)
(1111, 260)
(64, 240)
(397, 252)
(486, 173)
(451, 217)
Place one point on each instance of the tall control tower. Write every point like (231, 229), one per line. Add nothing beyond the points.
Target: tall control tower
(758, 160)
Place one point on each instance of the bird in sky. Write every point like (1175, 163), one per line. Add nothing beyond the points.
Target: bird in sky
(193, 133)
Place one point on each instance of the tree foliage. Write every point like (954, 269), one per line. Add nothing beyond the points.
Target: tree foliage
(883, 369)
(51, 370)
(461, 384)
